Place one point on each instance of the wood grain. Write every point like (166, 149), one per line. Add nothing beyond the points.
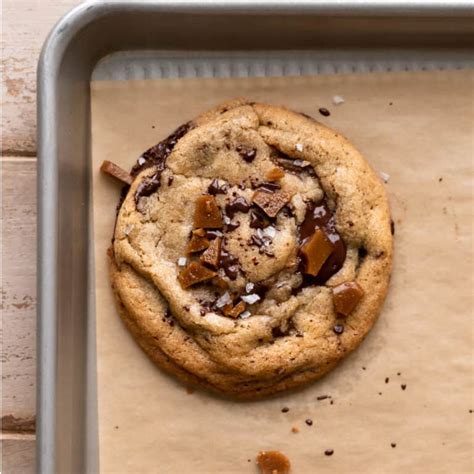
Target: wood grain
(26, 24)
(18, 454)
(18, 293)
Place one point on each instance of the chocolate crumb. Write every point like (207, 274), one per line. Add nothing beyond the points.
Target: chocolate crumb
(331, 402)
(363, 368)
(393, 445)
(329, 452)
(392, 227)
(190, 390)
(404, 386)
(470, 411)
(325, 112)
(323, 397)
(248, 154)
(116, 427)
(399, 373)
(390, 103)
(285, 410)
(170, 180)
(380, 393)
(186, 308)
(202, 312)
(308, 421)
(440, 179)
(338, 329)
(387, 379)
(249, 460)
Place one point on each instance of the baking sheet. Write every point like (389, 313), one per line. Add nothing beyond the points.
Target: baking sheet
(418, 128)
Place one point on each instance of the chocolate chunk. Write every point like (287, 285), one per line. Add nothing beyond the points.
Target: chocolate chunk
(248, 154)
(207, 213)
(232, 225)
(318, 215)
(212, 254)
(338, 329)
(218, 187)
(315, 251)
(195, 273)
(346, 297)
(258, 220)
(234, 311)
(116, 172)
(213, 234)
(197, 243)
(229, 264)
(269, 186)
(148, 186)
(156, 155)
(324, 111)
(277, 332)
(275, 174)
(239, 204)
(270, 202)
(273, 462)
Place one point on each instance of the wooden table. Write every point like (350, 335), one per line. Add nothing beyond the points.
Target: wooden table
(25, 26)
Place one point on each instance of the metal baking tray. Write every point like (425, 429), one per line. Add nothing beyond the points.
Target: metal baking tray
(154, 39)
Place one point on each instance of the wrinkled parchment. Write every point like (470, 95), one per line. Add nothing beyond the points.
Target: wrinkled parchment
(417, 128)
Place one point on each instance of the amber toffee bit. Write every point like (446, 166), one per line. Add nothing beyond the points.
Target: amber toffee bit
(270, 203)
(212, 255)
(116, 172)
(346, 297)
(234, 311)
(195, 273)
(273, 462)
(315, 251)
(197, 243)
(207, 214)
(275, 174)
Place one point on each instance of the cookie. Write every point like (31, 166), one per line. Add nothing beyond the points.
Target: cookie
(252, 250)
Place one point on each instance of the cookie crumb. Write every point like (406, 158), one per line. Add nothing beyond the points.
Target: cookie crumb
(385, 176)
(337, 100)
(329, 452)
(295, 429)
(404, 386)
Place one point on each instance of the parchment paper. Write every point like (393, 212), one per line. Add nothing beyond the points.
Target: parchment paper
(418, 128)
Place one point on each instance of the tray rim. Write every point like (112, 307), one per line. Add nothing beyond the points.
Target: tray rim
(53, 54)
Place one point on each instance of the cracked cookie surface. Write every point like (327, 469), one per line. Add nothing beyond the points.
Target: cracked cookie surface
(252, 250)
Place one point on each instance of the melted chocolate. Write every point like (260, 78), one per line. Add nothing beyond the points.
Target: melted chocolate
(156, 155)
(269, 186)
(148, 186)
(318, 215)
(239, 204)
(218, 187)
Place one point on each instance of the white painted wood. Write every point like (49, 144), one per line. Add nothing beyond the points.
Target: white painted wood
(26, 24)
(18, 454)
(18, 293)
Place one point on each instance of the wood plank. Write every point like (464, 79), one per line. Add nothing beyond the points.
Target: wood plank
(26, 23)
(18, 454)
(18, 293)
